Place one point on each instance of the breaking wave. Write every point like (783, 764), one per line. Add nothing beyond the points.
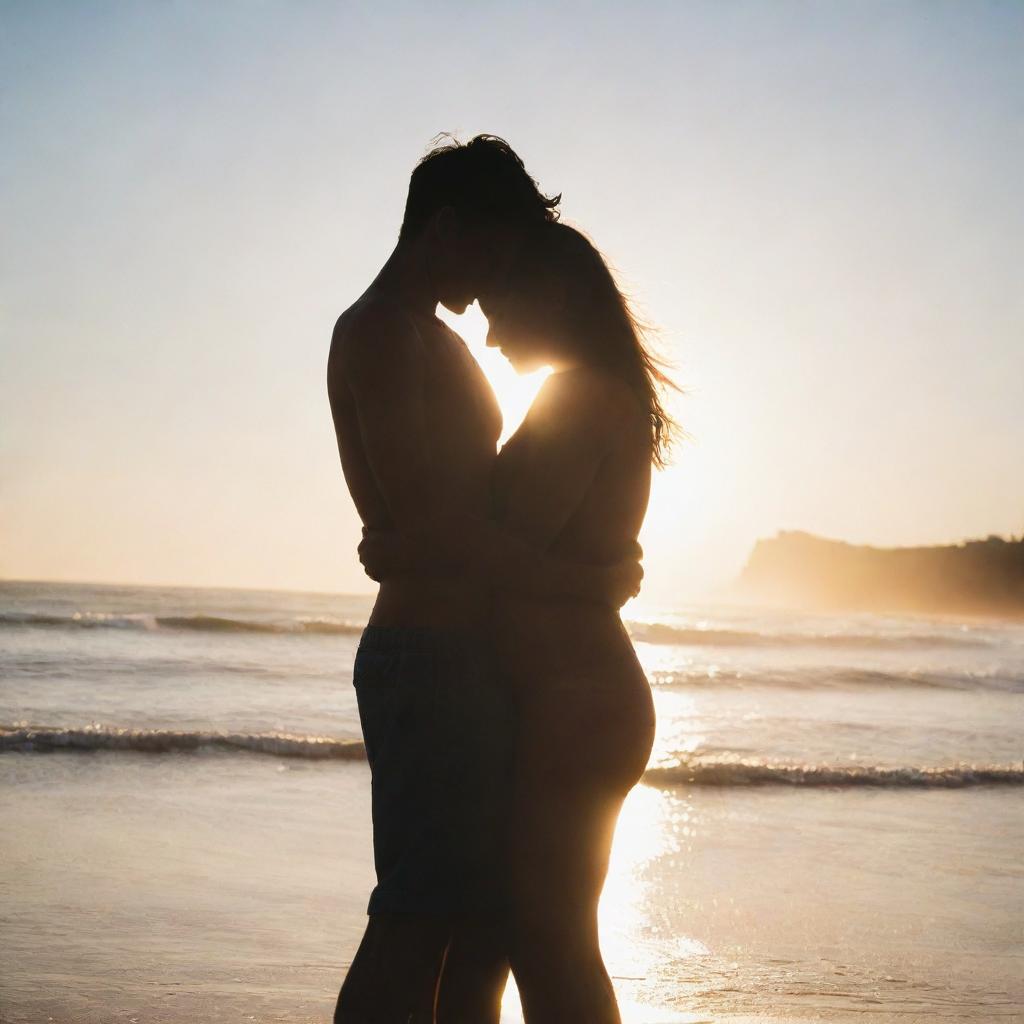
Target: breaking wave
(29, 739)
(645, 632)
(761, 773)
(195, 623)
(688, 636)
(818, 677)
(694, 772)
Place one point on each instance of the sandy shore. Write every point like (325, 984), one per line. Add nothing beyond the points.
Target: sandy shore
(224, 888)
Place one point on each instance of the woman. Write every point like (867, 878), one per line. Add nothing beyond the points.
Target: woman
(574, 481)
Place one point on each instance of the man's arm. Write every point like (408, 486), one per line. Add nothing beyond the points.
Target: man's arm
(470, 546)
(384, 373)
(512, 564)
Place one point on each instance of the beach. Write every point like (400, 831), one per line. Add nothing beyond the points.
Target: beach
(830, 830)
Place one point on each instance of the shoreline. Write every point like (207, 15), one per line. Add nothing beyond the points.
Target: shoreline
(222, 888)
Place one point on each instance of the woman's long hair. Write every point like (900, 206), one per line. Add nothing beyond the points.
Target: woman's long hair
(561, 274)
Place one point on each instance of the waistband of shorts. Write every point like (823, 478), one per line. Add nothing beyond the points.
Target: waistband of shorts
(423, 639)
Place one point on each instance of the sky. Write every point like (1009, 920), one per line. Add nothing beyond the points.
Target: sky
(817, 203)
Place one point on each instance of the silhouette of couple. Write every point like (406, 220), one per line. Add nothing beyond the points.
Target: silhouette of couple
(503, 708)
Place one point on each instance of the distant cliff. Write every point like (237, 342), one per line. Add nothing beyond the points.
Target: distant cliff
(976, 577)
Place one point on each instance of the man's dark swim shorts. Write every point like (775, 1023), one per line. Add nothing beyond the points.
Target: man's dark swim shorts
(437, 726)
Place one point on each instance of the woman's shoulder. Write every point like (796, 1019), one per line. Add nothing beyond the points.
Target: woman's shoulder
(593, 394)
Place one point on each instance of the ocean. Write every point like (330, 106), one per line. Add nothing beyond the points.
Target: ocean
(830, 827)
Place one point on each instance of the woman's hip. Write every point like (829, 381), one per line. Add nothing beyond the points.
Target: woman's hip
(587, 727)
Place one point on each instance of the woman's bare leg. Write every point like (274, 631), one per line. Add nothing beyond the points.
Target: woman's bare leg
(554, 946)
(580, 754)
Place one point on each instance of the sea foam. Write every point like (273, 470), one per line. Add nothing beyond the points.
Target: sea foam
(644, 632)
(193, 623)
(692, 771)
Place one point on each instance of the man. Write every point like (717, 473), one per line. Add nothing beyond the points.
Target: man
(417, 427)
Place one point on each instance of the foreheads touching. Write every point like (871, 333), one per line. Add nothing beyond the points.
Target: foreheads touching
(469, 205)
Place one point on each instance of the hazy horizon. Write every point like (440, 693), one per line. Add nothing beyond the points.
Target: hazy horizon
(818, 205)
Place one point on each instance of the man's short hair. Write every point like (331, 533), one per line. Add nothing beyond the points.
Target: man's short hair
(483, 180)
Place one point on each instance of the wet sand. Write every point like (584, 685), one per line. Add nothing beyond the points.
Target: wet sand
(205, 887)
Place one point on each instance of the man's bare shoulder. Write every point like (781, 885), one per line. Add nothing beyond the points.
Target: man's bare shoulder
(372, 331)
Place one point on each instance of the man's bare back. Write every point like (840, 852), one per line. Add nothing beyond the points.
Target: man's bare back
(417, 426)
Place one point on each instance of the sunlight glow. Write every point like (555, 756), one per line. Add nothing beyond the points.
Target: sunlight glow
(515, 392)
(683, 485)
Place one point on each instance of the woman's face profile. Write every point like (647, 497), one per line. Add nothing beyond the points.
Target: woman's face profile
(516, 334)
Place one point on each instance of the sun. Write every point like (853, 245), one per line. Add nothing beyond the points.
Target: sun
(515, 392)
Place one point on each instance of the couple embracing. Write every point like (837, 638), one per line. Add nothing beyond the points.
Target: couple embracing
(504, 712)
